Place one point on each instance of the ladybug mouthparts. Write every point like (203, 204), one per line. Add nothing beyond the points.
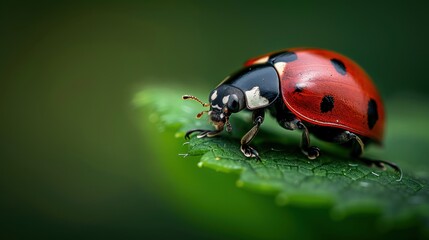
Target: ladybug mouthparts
(219, 120)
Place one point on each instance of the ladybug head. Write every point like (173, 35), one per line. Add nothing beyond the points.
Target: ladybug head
(224, 101)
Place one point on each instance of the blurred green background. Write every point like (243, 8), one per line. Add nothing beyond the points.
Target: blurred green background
(74, 160)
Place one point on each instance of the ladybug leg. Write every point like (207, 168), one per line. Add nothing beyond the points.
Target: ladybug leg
(311, 152)
(248, 151)
(203, 133)
(346, 136)
(357, 150)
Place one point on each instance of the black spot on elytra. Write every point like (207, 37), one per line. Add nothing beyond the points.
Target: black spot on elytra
(372, 113)
(339, 66)
(285, 57)
(327, 104)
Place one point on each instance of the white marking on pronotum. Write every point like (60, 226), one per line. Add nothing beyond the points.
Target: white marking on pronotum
(217, 107)
(225, 99)
(214, 95)
(280, 67)
(261, 60)
(254, 98)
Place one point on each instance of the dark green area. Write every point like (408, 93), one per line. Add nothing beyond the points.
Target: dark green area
(74, 161)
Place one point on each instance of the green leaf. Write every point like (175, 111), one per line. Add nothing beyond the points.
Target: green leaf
(346, 186)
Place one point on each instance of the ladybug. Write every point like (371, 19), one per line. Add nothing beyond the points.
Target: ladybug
(313, 90)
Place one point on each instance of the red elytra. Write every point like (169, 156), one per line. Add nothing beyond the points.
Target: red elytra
(304, 84)
(313, 90)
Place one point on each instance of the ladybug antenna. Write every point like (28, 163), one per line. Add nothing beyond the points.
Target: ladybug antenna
(201, 114)
(186, 97)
